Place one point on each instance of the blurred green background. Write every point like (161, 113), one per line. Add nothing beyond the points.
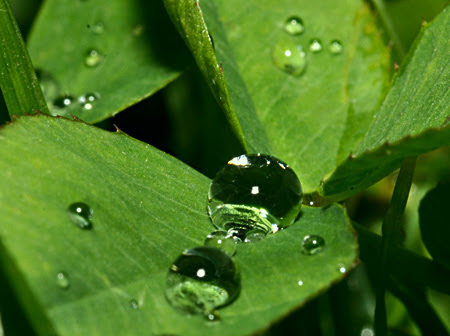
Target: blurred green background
(184, 120)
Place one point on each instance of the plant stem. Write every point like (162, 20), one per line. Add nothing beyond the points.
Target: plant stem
(391, 232)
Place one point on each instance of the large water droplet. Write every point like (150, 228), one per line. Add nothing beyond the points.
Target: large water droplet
(254, 192)
(335, 47)
(289, 57)
(294, 25)
(315, 45)
(93, 58)
(62, 280)
(81, 215)
(49, 85)
(87, 100)
(221, 240)
(201, 280)
(312, 244)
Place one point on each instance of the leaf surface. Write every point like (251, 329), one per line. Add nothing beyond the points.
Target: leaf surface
(148, 208)
(413, 119)
(138, 50)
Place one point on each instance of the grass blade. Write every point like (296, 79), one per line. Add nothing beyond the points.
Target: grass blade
(18, 80)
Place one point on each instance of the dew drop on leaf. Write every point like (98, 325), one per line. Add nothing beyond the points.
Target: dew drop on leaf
(312, 244)
(254, 192)
(201, 280)
(342, 268)
(93, 58)
(88, 100)
(81, 215)
(98, 28)
(134, 304)
(62, 280)
(315, 45)
(222, 240)
(254, 236)
(289, 57)
(294, 25)
(335, 47)
(138, 30)
(63, 101)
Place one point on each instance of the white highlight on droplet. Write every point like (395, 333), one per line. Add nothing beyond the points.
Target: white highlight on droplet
(239, 161)
(201, 273)
(255, 190)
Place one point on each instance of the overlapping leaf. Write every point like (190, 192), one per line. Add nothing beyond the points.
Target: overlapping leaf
(138, 52)
(304, 117)
(148, 207)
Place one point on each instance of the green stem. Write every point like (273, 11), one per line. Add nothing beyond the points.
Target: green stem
(18, 80)
(391, 232)
(403, 264)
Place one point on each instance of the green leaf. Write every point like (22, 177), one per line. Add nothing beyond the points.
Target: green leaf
(412, 120)
(434, 226)
(188, 18)
(304, 117)
(314, 120)
(140, 52)
(18, 81)
(148, 207)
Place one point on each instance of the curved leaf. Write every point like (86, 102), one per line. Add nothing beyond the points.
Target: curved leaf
(139, 52)
(148, 207)
(412, 120)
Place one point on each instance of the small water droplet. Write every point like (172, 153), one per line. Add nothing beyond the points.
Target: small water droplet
(294, 25)
(254, 236)
(98, 28)
(312, 244)
(300, 283)
(290, 58)
(81, 215)
(315, 45)
(93, 58)
(201, 280)
(62, 280)
(134, 304)
(335, 47)
(223, 241)
(63, 101)
(342, 268)
(87, 100)
(138, 30)
(367, 331)
(235, 205)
